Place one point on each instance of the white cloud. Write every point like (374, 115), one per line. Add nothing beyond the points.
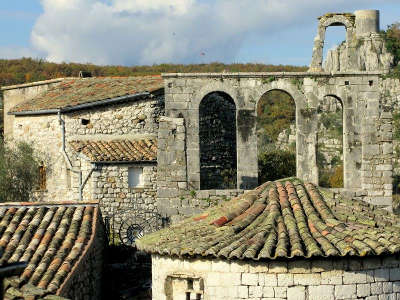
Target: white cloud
(155, 31)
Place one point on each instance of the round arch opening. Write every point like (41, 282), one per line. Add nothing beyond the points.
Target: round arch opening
(217, 136)
(276, 136)
(330, 155)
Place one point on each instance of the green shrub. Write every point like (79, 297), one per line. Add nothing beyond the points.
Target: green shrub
(19, 171)
(276, 164)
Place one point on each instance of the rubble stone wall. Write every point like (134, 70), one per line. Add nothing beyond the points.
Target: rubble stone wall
(135, 117)
(110, 187)
(369, 278)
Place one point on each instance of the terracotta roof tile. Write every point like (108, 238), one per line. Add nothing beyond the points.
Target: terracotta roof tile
(75, 91)
(50, 237)
(281, 219)
(117, 150)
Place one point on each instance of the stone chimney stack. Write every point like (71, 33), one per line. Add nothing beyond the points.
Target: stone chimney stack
(367, 21)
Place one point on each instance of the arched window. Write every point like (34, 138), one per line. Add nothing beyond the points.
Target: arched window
(276, 136)
(217, 133)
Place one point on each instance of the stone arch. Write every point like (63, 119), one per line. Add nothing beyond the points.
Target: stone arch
(346, 20)
(336, 20)
(304, 165)
(221, 86)
(217, 142)
(282, 85)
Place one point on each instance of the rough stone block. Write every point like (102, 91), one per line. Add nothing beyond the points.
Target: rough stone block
(381, 275)
(296, 293)
(249, 279)
(285, 279)
(332, 277)
(280, 292)
(268, 292)
(321, 292)
(269, 279)
(255, 291)
(376, 288)
(387, 287)
(345, 291)
(220, 266)
(363, 290)
(354, 277)
(307, 279)
(243, 292)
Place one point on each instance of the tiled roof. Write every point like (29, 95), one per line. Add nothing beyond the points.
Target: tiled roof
(282, 219)
(75, 91)
(118, 150)
(50, 237)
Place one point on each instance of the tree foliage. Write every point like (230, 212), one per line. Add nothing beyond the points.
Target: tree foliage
(19, 167)
(276, 164)
(392, 42)
(17, 71)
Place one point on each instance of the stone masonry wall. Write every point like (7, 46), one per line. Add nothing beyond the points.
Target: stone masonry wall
(110, 188)
(14, 95)
(85, 282)
(369, 278)
(44, 132)
(134, 118)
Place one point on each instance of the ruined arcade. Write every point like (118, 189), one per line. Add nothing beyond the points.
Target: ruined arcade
(353, 74)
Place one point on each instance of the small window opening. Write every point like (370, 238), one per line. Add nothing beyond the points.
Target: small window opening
(371, 83)
(135, 177)
(85, 121)
(346, 83)
(42, 177)
(187, 295)
(190, 284)
(198, 296)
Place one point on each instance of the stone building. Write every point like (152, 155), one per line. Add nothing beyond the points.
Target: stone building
(284, 240)
(97, 137)
(62, 244)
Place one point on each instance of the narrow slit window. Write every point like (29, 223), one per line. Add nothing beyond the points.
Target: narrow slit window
(42, 177)
(135, 177)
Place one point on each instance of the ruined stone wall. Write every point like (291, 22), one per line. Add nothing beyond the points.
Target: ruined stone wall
(369, 278)
(371, 52)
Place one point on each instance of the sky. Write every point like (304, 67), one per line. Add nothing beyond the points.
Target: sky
(146, 32)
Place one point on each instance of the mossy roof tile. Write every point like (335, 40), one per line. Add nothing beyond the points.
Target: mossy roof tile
(117, 150)
(48, 237)
(76, 91)
(281, 219)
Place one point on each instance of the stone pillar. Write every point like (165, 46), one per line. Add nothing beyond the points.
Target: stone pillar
(367, 21)
(171, 162)
(247, 163)
(317, 55)
(377, 151)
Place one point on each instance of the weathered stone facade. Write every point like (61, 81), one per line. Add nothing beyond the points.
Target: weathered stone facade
(366, 129)
(68, 171)
(110, 188)
(340, 278)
